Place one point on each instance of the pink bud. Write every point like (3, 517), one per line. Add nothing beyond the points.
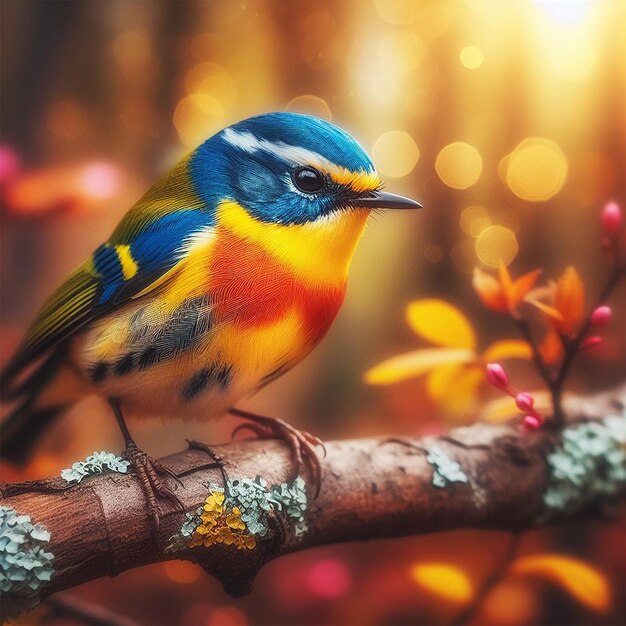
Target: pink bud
(531, 422)
(590, 342)
(612, 218)
(497, 376)
(524, 401)
(601, 316)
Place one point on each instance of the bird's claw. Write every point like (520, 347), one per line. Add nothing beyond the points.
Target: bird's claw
(301, 443)
(149, 471)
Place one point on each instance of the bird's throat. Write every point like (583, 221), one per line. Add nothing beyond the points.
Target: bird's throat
(318, 252)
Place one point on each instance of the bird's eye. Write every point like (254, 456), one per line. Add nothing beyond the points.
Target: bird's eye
(308, 180)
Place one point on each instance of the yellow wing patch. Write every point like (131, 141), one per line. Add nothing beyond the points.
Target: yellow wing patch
(129, 265)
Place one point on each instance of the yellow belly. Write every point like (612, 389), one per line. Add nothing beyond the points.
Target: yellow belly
(252, 357)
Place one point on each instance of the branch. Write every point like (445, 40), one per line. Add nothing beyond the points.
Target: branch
(482, 476)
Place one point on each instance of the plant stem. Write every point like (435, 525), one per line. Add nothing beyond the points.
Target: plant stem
(490, 582)
(572, 347)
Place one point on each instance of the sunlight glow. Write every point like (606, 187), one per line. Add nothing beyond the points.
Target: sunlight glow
(395, 153)
(459, 165)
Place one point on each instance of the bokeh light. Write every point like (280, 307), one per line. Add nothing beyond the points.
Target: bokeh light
(67, 119)
(210, 79)
(9, 163)
(227, 616)
(395, 153)
(474, 219)
(471, 57)
(196, 118)
(182, 571)
(433, 253)
(311, 105)
(397, 12)
(403, 51)
(329, 578)
(459, 165)
(536, 170)
(496, 245)
(100, 180)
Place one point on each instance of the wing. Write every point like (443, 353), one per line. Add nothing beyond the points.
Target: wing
(140, 255)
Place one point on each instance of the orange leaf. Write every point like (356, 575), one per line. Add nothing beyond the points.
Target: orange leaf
(582, 581)
(489, 291)
(547, 310)
(507, 349)
(524, 284)
(569, 300)
(412, 364)
(441, 323)
(551, 347)
(443, 579)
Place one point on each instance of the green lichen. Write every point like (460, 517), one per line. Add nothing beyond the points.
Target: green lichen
(97, 463)
(587, 466)
(25, 565)
(251, 500)
(445, 470)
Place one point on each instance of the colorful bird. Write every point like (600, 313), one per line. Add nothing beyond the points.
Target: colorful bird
(223, 276)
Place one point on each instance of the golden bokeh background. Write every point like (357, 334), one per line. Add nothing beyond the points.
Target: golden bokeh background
(504, 118)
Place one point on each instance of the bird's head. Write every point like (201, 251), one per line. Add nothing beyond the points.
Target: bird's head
(288, 168)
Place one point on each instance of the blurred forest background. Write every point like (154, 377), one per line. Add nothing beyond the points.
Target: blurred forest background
(506, 119)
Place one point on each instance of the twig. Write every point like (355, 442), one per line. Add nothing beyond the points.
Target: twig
(555, 381)
(490, 582)
(484, 476)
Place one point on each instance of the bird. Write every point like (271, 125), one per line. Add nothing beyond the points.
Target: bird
(222, 277)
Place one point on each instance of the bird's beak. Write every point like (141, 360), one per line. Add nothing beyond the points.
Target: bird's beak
(386, 200)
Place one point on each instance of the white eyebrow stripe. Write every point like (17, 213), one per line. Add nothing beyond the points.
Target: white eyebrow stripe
(292, 154)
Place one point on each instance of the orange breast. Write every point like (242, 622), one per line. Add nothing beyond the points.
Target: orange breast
(252, 288)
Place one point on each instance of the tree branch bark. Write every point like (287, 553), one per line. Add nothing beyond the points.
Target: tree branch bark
(483, 476)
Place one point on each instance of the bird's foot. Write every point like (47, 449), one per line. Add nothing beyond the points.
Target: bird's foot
(150, 472)
(301, 443)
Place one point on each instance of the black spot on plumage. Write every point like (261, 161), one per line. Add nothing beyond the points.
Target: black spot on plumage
(219, 375)
(99, 372)
(149, 357)
(198, 383)
(125, 365)
(222, 375)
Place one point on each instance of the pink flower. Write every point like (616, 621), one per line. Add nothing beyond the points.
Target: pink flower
(590, 342)
(525, 402)
(601, 316)
(497, 376)
(612, 218)
(531, 422)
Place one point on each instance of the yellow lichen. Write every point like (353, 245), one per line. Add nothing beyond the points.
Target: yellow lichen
(221, 525)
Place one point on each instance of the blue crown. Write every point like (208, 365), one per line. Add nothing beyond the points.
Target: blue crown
(251, 162)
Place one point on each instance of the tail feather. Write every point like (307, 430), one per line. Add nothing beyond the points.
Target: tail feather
(21, 431)
(22, 428)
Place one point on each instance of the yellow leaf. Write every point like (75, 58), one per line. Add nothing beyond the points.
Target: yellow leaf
(456, 388)
(441, 323)
(411, 364)
(582, 581)
(445, 580)
(439, 380)
(507, 349)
